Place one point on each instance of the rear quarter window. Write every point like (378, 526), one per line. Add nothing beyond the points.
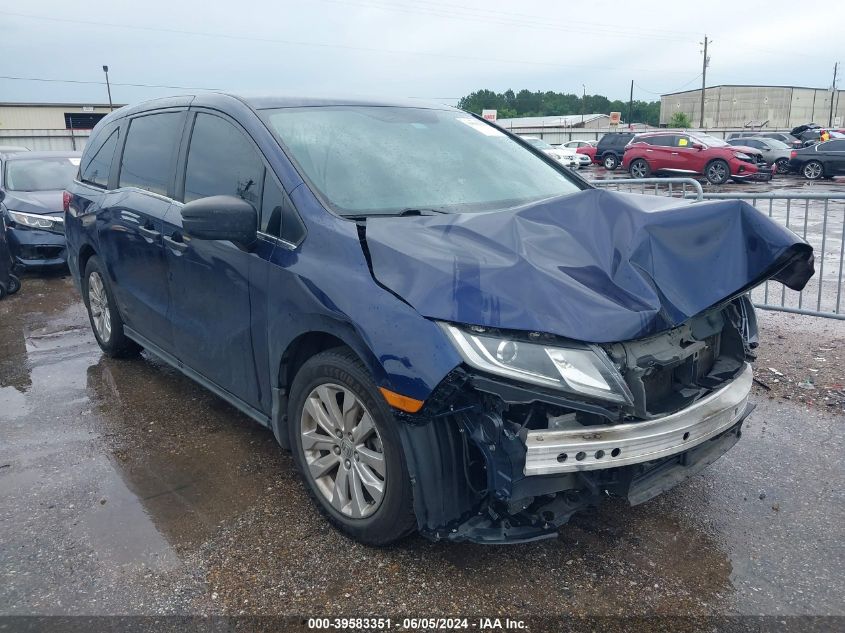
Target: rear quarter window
(96, 163)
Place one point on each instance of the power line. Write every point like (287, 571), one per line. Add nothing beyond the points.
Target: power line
(250, 38)
(489, 17)
(668, 91)
(100, 83)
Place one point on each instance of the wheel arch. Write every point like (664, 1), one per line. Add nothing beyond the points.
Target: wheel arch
(304, 346)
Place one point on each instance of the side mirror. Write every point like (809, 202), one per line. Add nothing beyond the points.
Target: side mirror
(697, 146)
(220, 218)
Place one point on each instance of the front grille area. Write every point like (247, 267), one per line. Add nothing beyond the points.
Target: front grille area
(670, 371)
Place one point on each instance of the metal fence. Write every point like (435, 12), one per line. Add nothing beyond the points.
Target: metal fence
(819, 218)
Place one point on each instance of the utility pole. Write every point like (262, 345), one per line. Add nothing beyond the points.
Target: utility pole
(583, 104)
(631, 104)
(108, 87)
(703, 82)
(832, 95)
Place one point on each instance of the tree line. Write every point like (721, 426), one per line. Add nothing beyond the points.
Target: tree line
(511, 104)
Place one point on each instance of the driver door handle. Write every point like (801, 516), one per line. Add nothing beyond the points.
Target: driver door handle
(176, 245)
(150, 234)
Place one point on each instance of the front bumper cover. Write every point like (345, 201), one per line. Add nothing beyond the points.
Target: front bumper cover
(36, 248)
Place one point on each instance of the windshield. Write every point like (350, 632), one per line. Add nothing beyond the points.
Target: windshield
(40, 174)
(366, 160)
(710, 141)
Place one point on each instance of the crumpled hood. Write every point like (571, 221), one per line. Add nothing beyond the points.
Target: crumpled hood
(41, 202)
(594, 266)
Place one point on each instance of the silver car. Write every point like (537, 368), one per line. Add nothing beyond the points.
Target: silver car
(775, 152)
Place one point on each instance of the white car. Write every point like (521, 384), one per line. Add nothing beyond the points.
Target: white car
(563, 155)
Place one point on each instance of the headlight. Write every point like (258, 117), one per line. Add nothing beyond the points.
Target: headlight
(35, 221)
(742, 156)
(575, 368)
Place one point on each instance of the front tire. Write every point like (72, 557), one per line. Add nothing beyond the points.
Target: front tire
(813, 170)
(347, 449)
(639, 168)
(610, 162)
(782, 165)
(103, 313)
(717, 172)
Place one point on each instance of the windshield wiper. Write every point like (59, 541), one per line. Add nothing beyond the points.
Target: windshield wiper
(409, 212)
(418, 211)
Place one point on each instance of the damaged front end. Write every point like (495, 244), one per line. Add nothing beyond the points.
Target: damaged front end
(500, 453)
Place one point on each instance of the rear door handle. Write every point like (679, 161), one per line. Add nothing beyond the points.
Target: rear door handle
(674, 153)
(176, 245)
(150, 234)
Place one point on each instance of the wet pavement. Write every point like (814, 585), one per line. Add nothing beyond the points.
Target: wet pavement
(126, 488)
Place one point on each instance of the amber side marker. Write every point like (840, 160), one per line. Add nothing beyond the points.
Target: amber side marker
(398, 401)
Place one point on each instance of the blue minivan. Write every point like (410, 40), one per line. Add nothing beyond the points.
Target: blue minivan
(450, 331)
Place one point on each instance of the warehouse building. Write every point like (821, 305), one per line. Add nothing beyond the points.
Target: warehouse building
(49, 126)
(736, 106)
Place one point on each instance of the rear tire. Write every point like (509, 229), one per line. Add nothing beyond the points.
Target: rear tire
(347, 449)
(14, 285)
(812, 170)
(610, 161)
(717, 172)
(782, 165)
(639, 168)
(103, 314)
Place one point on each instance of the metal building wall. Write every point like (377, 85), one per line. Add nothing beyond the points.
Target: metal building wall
(38, 117)
(739, 106)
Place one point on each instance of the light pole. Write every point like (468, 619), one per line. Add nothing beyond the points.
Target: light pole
(108, 87)
(583, 104)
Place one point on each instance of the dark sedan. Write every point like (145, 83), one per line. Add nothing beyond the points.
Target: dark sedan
(34, 183)
(824, 160)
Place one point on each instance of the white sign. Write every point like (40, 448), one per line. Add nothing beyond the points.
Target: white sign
(615, 117)
(87, 108)
(837, 121)
(490, 115)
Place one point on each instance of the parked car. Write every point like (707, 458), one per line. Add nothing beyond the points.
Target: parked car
(611, 148)
(9, 282)
(823, 160)
(33, 184)
(783, 137)
(697, 154)
(475, 347)
(578, 144)
(774, 152)
(561, 154)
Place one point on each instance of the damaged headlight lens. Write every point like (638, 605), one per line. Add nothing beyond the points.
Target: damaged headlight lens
(577, 369)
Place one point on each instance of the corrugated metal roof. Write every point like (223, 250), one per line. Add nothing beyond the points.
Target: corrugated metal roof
(568, 120)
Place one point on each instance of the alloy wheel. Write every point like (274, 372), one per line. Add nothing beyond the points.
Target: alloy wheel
(639, 169)
(99, 305)
(813, 170)
(343, 450)
(782, 165)
(717, 173)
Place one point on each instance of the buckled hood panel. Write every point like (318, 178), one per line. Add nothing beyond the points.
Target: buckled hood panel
(594, 266)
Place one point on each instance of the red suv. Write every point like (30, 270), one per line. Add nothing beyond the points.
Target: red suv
(682, 153)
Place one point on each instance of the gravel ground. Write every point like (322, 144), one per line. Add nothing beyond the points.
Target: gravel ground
(127, 489)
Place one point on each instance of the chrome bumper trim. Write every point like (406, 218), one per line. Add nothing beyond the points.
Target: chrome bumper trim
(614, 445)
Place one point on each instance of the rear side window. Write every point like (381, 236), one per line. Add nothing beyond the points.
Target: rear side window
(834, 146)
(95, 166)
(664, 140)
(222, 162)
(148, 155)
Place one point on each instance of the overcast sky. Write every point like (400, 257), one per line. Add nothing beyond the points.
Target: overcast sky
(434, 49)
